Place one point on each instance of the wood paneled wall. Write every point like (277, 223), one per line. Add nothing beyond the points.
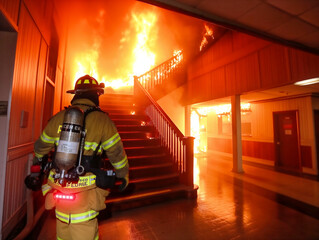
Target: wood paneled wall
(42, 13)
(238, 63)
(11, 10)
(27, 98)
(261, 142)
(24, 83)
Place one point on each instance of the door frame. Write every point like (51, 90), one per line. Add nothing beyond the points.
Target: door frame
(277, 149)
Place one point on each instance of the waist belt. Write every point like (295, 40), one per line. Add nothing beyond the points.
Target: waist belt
(76, 218)
(84, 181)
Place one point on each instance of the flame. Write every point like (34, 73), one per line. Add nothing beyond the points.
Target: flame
(144, 58)
(195, 130)
(209, 34)
(139, 38)
(199, 127)
(86, 63)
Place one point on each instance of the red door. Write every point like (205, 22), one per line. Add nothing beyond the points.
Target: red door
(286, 138)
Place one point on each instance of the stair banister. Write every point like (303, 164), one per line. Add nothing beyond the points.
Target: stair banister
(163, 71)
(180, 147)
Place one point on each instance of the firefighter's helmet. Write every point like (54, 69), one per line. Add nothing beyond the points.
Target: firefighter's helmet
(87, 83)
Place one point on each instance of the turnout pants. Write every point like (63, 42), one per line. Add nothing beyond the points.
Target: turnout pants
(77, 231)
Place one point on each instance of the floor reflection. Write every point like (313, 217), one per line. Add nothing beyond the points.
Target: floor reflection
(226, 208)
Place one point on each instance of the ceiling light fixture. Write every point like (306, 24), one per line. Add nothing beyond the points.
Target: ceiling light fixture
(307, 82)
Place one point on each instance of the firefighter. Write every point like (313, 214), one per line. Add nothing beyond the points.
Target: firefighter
(76, 216)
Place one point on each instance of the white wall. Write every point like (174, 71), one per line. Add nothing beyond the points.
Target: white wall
(7, 55)
(171, 104)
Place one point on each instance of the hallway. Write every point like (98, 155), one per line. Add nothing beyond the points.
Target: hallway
(229, 206)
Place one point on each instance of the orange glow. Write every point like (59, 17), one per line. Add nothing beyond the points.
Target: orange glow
(142, 59)
(141, 33)
(196, 171)
(195, 130)
(209, 34)
(199, 122)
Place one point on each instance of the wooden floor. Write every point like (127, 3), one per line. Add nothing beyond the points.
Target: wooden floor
(258, 204)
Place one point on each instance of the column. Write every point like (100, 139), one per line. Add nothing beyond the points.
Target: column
(236, 135)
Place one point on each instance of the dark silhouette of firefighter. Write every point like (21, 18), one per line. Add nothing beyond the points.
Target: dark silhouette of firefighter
(76, 185)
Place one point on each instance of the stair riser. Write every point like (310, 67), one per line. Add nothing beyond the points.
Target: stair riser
(137, 162)
(119, 122)
(136, 135)
(143, 151)
(150, 172)
(123, 111)
(155, 184)
(140, 117)
(141, 143)
(135, 128)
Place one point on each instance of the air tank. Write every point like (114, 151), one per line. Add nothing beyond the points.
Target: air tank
(68, 148)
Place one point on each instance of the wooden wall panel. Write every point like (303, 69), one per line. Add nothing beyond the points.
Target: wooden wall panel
(58, 92)
(11, 10)
(192, 69)
(306, 156)
(201, 86)
(24, 81)
(261, 150)
(230, 79)
(219, 144)
(218, 83)
(256, 149)
(206, 58)
(241, 40)
(262, 120)
(303, 65)
(15, 190)
(247, 74)
(39, 96)
(42, 13)
(259, 64)
(274, 68)
(222, 48)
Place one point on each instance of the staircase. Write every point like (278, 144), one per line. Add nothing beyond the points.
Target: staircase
(153, 177)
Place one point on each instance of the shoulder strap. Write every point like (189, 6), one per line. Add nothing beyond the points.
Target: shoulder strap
(87, 111)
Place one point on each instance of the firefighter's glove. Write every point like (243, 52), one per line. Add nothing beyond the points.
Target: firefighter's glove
(104, 179)
(34, 180)
(124, 183)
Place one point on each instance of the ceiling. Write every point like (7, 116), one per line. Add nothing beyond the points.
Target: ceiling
(294, 23)
(291, 22)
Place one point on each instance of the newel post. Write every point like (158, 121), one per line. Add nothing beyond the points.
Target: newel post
(189, 157)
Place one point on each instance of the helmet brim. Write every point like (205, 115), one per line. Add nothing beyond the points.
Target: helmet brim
(99, 91)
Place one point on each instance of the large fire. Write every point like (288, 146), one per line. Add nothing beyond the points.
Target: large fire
(142, 59)
(141, 34)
